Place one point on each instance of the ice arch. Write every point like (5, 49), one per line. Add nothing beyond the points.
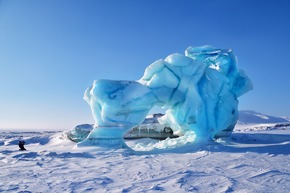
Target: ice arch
(200, 90)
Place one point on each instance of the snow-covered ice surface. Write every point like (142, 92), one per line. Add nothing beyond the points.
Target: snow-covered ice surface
(255, 158)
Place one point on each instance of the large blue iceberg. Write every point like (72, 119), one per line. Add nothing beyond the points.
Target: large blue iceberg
(198, 89)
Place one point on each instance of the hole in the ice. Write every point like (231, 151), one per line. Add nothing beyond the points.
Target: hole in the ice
(150, 144)
(151, 135)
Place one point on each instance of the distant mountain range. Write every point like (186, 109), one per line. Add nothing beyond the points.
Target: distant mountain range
(247, 117)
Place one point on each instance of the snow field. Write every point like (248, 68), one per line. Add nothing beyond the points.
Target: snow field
(248, 161)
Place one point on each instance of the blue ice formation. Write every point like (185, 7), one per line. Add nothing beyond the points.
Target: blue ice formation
(199, 89)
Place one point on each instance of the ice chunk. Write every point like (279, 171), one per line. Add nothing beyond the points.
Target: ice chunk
(79, 132)
(153, 69)
(200, 90)
(178, 60)
(163, 78)
(117, 103)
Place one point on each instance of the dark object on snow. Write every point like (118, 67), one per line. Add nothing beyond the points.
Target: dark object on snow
(21, 145)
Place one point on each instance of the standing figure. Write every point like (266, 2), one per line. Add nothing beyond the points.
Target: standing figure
(21, 143)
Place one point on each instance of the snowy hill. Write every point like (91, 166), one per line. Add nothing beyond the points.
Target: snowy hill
(250, 117)
(245, 117)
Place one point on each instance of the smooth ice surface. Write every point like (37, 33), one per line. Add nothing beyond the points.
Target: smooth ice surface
(200, 90)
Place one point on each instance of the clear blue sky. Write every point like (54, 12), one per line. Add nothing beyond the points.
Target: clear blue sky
(51, 51)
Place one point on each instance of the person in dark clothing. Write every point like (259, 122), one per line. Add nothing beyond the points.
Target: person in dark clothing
(21, 143)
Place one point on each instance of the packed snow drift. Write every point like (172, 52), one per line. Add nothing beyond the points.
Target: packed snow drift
(200, 90)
